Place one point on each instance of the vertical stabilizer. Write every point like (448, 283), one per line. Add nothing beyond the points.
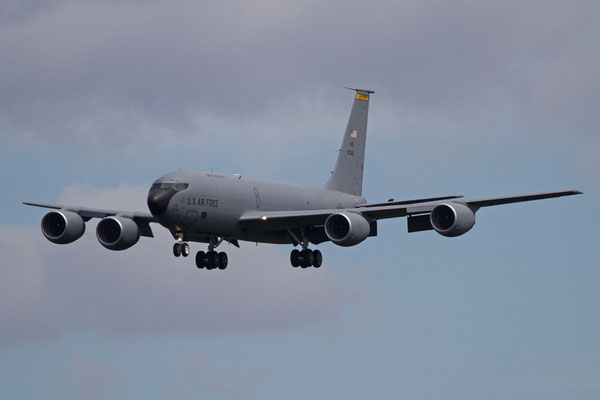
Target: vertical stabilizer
(347, 175)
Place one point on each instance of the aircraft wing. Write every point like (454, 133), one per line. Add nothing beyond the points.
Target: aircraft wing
(140, 217)
(392, 202)
(495, 201)
(382, 211)
(273, 220)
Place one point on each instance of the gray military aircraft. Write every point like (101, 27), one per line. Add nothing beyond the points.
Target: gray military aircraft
(211, 208)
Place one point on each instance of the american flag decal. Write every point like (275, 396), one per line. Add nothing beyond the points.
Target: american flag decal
(353, 134)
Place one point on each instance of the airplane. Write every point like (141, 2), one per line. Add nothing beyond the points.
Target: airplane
(211, 208)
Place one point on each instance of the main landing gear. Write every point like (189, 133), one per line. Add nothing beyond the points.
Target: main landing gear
(306, 258)
(209, 260)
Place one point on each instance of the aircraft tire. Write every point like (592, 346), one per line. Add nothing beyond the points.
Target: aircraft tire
(310, 257)
(177, 249)
(307, 257)
(223, 260)
(185, 249)
(294, 258)
(213, 260)
(200, 259)
(317, 259)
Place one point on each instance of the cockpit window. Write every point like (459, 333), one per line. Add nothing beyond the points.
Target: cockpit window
(169, 185)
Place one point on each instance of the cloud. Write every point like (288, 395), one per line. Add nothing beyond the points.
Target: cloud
(123, 73)
(123, 197)
(87, 377)
(48, 290)
(206, 373)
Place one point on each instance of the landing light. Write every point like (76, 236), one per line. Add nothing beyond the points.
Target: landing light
(264, 217)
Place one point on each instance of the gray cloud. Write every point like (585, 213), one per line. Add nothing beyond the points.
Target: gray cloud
(108, 72)
(209, 374)
(16, 12)
(123, 197)
(47, 290)
(86, 377)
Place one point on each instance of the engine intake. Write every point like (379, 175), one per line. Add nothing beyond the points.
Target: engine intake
(117, 233)
(62, 227)
(347, 228)
(452, 219)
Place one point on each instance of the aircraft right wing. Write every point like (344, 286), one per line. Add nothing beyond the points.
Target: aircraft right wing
(141, 218)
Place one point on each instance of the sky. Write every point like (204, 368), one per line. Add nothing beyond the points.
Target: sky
(474, 98)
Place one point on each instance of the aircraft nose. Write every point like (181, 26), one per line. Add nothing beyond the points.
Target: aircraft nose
(158, 200)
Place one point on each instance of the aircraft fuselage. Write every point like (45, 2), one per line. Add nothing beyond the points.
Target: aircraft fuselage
(199, 204)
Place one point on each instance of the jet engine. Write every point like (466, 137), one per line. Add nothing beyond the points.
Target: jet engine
(62, 226)
(117, 233)
(452, 219)
(347, 228)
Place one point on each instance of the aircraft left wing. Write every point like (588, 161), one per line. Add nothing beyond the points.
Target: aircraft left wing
(381, 212)
(273, 220)
(143, 219)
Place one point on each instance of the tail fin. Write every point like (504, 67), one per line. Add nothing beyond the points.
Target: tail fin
(347, 175)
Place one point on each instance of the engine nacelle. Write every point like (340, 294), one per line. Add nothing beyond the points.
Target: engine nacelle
(117, 233)
(62, 226)
(452, 219)
(347, 228)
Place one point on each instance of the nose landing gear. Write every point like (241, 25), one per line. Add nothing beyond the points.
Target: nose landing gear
(181, 249)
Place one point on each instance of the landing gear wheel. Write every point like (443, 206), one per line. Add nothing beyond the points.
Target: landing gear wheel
(177, 249)
(185, 249)
(307, 258)
(310, 259)
(213, 260)
(318, 259)
(294, 258)
(200, 256)
(223, 260)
